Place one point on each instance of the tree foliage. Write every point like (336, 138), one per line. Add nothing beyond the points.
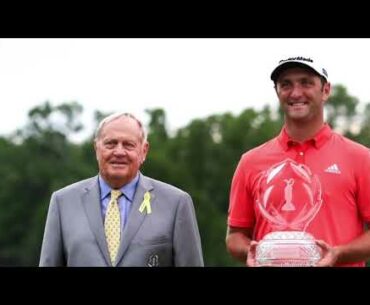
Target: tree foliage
(199, 158)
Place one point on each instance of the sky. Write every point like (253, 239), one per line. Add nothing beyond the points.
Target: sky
(188, 78)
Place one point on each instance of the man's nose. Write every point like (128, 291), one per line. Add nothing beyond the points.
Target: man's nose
(296, 92)
(120, 150)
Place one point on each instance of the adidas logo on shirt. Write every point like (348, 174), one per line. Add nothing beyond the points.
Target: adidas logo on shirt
(333, 169)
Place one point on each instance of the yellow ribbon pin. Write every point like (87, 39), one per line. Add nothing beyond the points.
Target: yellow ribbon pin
(146, 204)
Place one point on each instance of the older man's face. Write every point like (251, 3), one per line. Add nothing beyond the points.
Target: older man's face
(120, 151)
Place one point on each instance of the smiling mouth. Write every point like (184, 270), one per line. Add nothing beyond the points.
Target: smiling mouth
(118, 164)
(297, 103)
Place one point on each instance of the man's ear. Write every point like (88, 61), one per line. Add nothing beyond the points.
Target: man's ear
(94, 144)
(275, 87)
(145, 151)
(326, 91)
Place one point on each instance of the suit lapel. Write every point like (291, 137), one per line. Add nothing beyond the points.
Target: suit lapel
(135, 217)
(91, 203)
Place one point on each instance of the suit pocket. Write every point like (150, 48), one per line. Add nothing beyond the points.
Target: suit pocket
(150, 241)
(149, 255)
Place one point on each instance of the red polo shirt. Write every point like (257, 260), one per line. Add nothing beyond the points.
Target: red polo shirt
(342, 167)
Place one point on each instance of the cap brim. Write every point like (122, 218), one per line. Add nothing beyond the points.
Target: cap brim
(287, 65)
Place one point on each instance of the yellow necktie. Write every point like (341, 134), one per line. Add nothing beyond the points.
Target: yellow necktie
(112, 224)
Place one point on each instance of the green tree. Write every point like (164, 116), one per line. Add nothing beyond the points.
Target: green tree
(341, 109)
(200, 158)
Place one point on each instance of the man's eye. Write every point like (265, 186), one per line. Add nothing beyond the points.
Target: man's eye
(130, 146)
(307, 82)
(109, 144)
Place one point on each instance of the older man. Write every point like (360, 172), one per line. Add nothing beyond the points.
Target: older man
(121, 217)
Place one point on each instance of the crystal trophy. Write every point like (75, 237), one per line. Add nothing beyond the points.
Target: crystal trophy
(288, 198)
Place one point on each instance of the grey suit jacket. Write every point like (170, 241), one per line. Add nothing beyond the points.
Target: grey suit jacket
(168, 236)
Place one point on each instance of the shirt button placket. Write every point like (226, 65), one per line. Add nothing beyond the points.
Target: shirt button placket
(300, 157)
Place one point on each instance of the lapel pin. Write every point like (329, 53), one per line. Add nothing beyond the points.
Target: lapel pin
(146, 204)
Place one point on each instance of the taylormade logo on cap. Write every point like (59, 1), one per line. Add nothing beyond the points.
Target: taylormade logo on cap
(291, 62)
(296, 59)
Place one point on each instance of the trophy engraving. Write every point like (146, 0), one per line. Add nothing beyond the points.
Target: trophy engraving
(288, 206)
(289, 197)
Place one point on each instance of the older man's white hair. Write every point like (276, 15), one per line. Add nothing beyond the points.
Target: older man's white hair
(116, 116)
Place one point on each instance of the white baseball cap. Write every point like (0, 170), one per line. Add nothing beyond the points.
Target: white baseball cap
(298, 61)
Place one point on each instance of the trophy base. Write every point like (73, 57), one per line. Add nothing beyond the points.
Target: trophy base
(287, 249)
